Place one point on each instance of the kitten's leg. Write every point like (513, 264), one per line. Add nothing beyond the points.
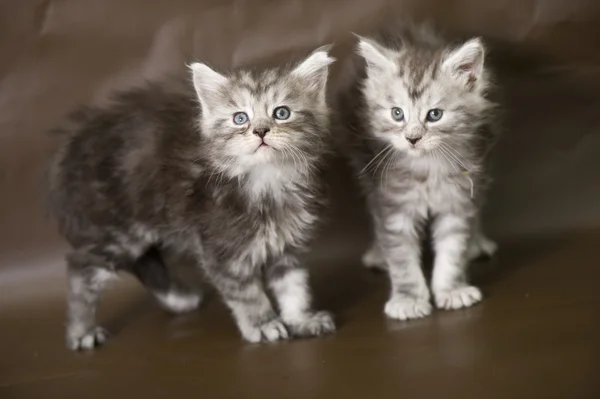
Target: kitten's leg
(449, 281)
(399, 240)
(479, 244)
(88, 275)
(242, 289)
(373, 257)
(152, 272)
(289, 284)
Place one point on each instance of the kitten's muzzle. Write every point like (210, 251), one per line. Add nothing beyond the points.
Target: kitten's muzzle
(261, 131)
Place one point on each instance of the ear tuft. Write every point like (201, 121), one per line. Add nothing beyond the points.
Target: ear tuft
(206, 80)
(314, 69)
(466, 62)
(376, 56)
(315, 63)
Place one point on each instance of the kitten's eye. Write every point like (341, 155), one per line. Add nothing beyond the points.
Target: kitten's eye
(282, 113)
(434, 115)
(239, 118)
(397, 114)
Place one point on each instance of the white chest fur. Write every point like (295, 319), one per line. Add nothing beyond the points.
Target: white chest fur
(289, 220)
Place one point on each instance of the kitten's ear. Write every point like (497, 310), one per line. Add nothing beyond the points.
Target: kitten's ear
(314, 69)
(466, 62)
(377, 57)
(207, 83)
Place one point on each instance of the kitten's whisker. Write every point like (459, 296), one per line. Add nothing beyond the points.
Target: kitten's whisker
(436, 156)
(456, 160)
(454, 154)
(387, 148)
(389, 151)
(443, 152)
(297, 158)
(308, 166)
(288, 154)
(387, 159)
(386, 168)
(380, 162)
(220, 169)
(303, 163)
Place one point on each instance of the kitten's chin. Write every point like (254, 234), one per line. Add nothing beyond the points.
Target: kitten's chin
(403, 147)
(414, 152)
(262, 155)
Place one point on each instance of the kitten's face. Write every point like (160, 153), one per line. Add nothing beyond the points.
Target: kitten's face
(422, 101)
(275, 116)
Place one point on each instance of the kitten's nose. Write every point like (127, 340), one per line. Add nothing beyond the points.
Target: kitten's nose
(413, 140)
(261, 131)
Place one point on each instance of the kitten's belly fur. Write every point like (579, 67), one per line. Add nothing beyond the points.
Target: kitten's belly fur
(435, 193)
(274, 237)
(255, 244)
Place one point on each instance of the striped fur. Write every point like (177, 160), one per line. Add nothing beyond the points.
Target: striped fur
(439, 180)
(153, 171)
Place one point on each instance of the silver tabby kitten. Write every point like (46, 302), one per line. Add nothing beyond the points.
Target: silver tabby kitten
(226, 173)
(419, 129)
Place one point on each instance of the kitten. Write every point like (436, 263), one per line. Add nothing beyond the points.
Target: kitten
(419, 127)
(226, 173)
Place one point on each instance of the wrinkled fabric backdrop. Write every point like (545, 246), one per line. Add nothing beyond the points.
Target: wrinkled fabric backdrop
(55, 55)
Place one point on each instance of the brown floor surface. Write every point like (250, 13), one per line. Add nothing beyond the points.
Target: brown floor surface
(537, 334)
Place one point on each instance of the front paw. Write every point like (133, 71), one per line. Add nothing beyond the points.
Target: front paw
(462, 297)
(481, 247)
(314, 325)
(86, 340)
(401, 307)
(271, 331)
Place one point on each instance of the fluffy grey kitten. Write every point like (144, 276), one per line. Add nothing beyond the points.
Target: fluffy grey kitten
(419, 126)
(226, 173)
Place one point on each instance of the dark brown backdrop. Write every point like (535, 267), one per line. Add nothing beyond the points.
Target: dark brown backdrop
(544, 208)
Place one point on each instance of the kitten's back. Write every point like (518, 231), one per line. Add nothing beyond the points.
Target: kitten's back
(109, 156)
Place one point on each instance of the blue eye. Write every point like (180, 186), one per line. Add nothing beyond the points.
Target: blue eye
(239, 118)
(397, 114)
(434, 115)
(282, 113)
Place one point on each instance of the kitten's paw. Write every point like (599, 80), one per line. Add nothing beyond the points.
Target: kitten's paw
(373, 259)
(315, 325)
(179, 302)
(405, 308)
(270, 331)
(481, 247)
(90, 339)
(457, 298)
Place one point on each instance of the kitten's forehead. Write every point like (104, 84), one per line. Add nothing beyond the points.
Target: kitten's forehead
(417, 81)
(256, 81)
(270, 87)
(418, 68)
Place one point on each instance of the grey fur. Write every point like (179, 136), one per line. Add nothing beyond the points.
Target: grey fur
(156, 170)
(441, 179)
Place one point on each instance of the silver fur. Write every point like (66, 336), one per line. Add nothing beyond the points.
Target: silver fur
(160, 170)
(440, 179)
